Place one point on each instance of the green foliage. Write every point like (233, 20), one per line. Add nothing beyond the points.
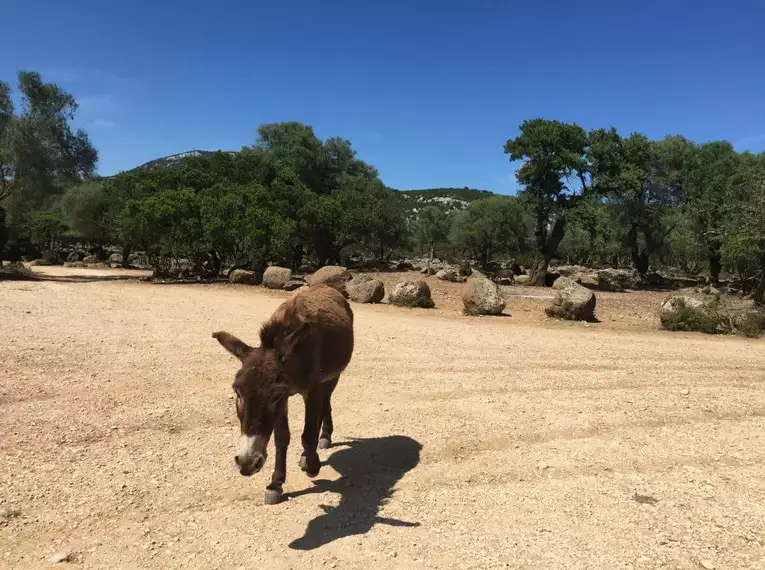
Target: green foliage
(686, 318)
(40, 153)
(166, 223)
(553, 153)
(44, 226)
(752, 324)
(713, 317)
(493, 225)
(90, 209)
(432, 227)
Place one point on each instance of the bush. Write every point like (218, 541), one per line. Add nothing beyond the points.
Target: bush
(751, 324)
(689, 319)
(712, 317)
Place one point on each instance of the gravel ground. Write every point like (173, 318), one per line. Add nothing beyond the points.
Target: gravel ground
(505, 442)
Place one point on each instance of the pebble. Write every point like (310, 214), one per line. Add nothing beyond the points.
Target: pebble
(707, 565)
(59, 557)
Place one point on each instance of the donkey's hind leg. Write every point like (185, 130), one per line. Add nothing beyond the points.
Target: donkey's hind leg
(327, 427)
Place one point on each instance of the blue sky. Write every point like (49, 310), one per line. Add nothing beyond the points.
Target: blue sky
(427, 91)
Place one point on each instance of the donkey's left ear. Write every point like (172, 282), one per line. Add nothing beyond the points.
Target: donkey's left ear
(235, 346)
(293, 341)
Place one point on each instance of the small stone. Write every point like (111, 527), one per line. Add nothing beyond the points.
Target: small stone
(686, 392)
(707, 564)
(59, 557)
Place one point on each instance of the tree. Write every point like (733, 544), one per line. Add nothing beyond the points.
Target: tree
(432, 227)
(44, 226)
(90, 209)
(40, 154)
(553, 154)
(165, 224)
(712, 179)
(492, 225)
(645, 179)
(241, 223)
(744, 243)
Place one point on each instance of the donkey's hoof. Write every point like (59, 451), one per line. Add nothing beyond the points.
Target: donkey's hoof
(304, 467)
(273, 496)
(325, 443)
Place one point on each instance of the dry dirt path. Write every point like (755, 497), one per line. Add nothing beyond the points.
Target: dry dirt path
(460, 443)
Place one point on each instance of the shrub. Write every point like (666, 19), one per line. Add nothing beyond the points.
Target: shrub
(712, 317)
(689, 319)
(751, 324)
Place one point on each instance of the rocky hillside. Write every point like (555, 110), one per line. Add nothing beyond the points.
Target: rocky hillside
(174, 160)
(451, 198)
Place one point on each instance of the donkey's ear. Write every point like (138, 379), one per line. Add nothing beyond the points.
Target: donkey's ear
(294, 340)
(233, 345)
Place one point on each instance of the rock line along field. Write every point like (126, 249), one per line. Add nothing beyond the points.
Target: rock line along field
(460, 442)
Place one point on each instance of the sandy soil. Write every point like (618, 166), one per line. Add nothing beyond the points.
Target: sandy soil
(504, 442)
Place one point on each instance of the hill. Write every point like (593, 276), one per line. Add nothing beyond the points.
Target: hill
(174, 160)
(451, 198)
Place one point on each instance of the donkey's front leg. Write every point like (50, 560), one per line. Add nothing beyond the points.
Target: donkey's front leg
(327, 426)
(281, 442)
(309, 462)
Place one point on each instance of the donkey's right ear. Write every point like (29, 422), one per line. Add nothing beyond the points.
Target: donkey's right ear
(235, 346)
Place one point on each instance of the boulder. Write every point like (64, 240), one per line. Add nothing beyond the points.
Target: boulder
(90, 260)
(36, 262)
(51, 257)
(618, 280)
(293, 284)
(74, 256)
(69, 263)
(305, 269)
(412, 294)
(244, 277)
(276, 277)
(563, 282)
(480, 296)
(571, 270)
(522, 279)
(571, 302)
(332, 275)
(710, 290)
(365, 289)
(78, 264)
(115, 258)
(451, 274)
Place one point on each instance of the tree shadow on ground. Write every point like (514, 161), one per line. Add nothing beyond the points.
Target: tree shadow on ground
(369, 469)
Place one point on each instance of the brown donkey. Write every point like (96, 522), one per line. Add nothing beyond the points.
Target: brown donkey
(304, 347)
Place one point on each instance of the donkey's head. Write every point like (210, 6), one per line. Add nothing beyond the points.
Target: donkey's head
(261, 397)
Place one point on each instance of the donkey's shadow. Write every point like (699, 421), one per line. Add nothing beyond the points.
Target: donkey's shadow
(369, 469)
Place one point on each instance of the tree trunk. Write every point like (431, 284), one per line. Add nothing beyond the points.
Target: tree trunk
(548, 250)
(127, 248)
(759, 291)
(539, 273)
(3, 234)
(715, 266)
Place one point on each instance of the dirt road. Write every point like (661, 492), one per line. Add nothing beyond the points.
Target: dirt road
(460, 443)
